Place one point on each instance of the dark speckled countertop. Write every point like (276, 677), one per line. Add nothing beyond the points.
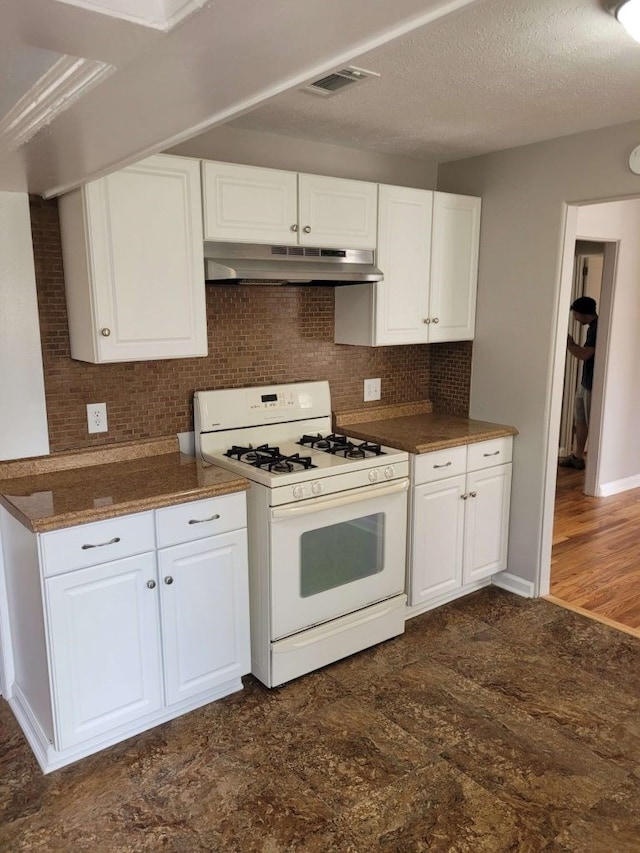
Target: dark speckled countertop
(414, 427)
(60, 490)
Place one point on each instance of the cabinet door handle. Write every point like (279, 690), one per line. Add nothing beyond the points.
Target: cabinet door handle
(446, 465)
(473, 494)
(464, 497)
(105, 332)
(436, 320)
(168, 580)
(202, 520)
(427, 320)
(496, 453)
(102, 544)
(151, 584)
(307, 229)
(294, 228)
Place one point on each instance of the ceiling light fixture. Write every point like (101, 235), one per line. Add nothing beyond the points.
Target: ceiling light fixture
(628, 13)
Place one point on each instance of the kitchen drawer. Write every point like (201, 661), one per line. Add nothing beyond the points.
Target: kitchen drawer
(486, 454)
(99, 542)
(197, 519)
(429, 467)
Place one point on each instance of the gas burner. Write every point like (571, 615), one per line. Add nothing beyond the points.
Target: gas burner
(251, 454)
(319, 442)
(269, 458)
(340, 445)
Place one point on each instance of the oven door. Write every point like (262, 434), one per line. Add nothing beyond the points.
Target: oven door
(332, 556)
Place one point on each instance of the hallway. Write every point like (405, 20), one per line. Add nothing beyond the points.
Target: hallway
(595, 563)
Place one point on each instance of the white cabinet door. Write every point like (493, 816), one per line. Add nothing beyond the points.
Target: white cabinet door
(437, 531)
(134, 270)
(205, 613)
(334, 212)
(487, 522)
(249, 204)
(454, 267)
(105, 655)
(404, 255)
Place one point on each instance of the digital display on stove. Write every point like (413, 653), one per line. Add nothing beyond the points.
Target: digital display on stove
(269, 398)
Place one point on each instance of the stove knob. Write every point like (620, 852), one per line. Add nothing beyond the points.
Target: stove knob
(374, 475)
(388, 472)
(316, 488)
(298, 492)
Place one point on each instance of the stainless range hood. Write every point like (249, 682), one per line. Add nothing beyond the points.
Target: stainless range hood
(258, 264)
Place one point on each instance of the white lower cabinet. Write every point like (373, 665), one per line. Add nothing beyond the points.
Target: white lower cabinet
(104, 638)
(106, 648)
(205, 614)
(459, 519)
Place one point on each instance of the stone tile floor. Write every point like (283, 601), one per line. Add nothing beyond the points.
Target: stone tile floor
(493, 724)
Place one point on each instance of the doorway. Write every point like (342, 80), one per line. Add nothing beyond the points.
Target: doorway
(597, 511)
(587, 281)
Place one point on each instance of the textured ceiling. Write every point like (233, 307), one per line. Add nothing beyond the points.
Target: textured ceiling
(494, 75)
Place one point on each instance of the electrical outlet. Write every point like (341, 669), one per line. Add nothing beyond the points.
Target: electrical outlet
(371, 390)
(97, 417)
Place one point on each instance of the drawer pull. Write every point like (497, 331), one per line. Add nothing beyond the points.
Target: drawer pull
(495, 453)
(102, 544)
(202, 520)
(446, 465)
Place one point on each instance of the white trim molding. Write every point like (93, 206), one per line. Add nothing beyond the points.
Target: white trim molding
(617, 486)
(66, 80)
(515, 584)
(157, 14)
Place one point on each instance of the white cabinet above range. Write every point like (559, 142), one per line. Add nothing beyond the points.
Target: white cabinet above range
(250, 204)
(428, 252)
(134, 276)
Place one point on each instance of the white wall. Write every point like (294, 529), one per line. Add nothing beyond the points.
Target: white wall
(23, 415)
(522, 312)
(235, 145)
(619, 450)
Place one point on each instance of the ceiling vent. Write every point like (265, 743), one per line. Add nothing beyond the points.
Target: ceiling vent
(333, 83)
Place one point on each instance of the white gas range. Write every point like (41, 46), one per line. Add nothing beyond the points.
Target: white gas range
(326, 524)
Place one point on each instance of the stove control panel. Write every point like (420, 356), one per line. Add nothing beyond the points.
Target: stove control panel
(268, 400)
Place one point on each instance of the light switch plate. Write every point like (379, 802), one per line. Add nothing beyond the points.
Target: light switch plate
(372, 390)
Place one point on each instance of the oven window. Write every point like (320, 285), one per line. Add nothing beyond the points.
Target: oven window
(341, 553)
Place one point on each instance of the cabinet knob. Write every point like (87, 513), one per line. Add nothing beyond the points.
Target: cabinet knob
(436, 320)
(294, 228)
(426, 321)
(168, 580)
(307, 229)
(151, 584)
(473, 494)
(464, 497)
(105, 332)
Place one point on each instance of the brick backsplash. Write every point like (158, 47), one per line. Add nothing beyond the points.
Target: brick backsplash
(257, 335)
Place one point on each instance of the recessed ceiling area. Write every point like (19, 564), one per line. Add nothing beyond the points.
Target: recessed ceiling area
(458, 78)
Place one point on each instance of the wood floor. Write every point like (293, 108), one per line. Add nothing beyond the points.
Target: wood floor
(595, 564)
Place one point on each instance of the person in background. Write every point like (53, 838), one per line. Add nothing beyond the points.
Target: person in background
(584, 312)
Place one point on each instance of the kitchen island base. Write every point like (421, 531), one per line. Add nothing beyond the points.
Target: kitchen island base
(50, 759)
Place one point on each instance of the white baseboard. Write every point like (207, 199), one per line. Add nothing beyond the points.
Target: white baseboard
(617, 486)
(515, 584)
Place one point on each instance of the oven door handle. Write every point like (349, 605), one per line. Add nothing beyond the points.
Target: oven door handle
(358, 496)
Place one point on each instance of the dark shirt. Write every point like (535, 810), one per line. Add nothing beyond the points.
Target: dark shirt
(587, 368)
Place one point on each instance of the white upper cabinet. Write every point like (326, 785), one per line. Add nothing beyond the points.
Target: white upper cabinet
(428, 251)
(133, 263)
(454, 267)
(249, 204)
(337, 213)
